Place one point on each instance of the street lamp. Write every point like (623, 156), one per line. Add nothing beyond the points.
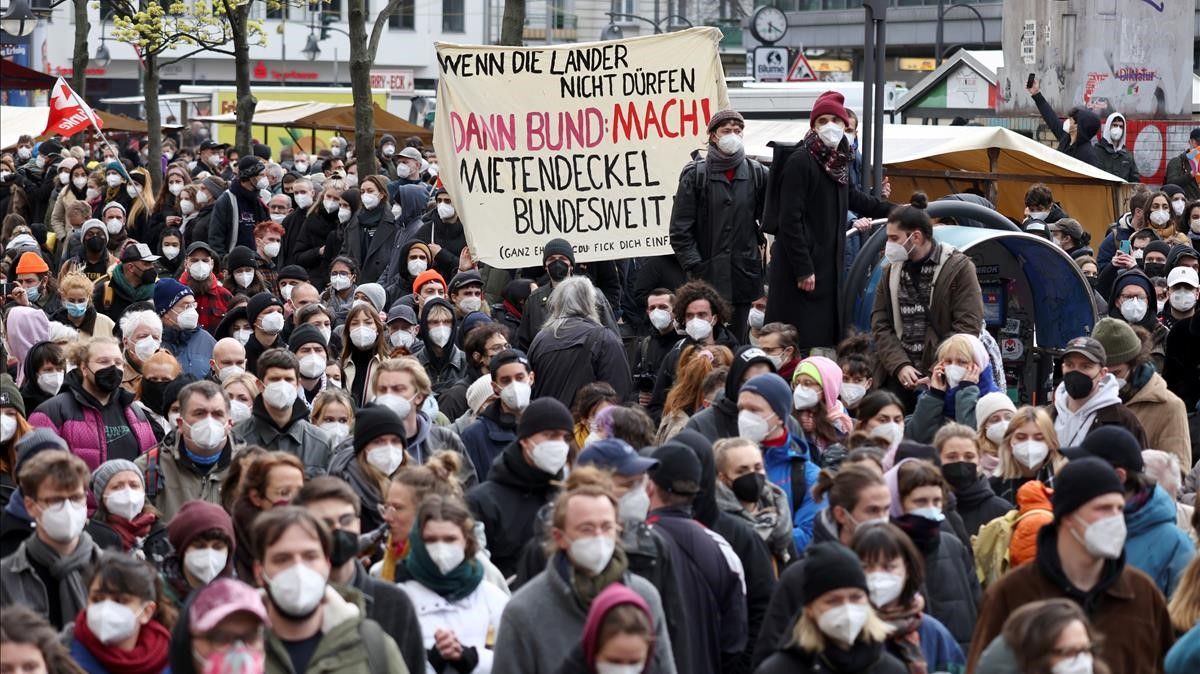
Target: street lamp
(19, 20)
(942, 9)
(311, 48)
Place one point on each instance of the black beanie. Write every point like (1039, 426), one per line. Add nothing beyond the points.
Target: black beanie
(293, 272)
(678, 470)
(258, 303)
(171, 392)
(1080, 481)
(305, 334)
(239, 257)
(831, 566)
(558, 247)
(374, 421)
(545, 414)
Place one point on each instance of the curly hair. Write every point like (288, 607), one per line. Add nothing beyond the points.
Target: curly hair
(694, 291)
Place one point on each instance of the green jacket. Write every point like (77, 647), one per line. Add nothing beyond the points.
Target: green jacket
(346, 642)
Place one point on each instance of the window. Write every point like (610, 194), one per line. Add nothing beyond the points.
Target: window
(405, 16)
(624, 7)
(452, 16)
(677, 8)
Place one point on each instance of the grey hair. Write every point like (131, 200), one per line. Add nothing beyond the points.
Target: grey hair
(1164, 468)
(574, 297)
(302, 181)
(135, 319)
(275, 170)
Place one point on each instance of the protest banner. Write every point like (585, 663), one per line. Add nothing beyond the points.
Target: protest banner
(581, 141)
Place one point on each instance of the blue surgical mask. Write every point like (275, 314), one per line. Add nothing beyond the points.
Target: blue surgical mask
(76, 310)
(32, 294)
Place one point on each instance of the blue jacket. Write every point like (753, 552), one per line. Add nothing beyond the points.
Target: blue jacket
(192, 348)
(1184, 656)
(1118, 232)
(942, 652)
(778, 461)
(486, 438)
(1155, 544)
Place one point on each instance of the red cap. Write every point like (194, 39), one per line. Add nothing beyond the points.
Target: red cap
(829, 103)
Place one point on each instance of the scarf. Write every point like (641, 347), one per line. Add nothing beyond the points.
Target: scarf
(393, 554)
(139, 294)
(459, 583)
(720, 162)
(149, 655)
(925, 533)
(586, 587)
(68, 571)
(905, 638)
(861, 657)
(834, 161)
(133, 532)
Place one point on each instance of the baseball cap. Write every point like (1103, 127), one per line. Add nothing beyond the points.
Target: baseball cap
(1114, 444)
(678, 470)
(138, 252)
(402, 312)
(1070, 226)
(211, 144)
(616, 455)
(1184, 275)
(222, 598)
(1088, 347)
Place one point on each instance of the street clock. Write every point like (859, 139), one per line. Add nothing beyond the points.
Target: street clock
(768, 25)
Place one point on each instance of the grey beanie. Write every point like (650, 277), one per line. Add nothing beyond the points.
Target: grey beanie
(108, 469)
(35, 441)
(375, 293)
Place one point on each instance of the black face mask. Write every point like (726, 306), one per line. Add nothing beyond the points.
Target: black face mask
(345, 547)
(1093, 281)
(960, 474)
(108, 379)
(924, 532)
(94, 244)
(558, 270)
(1078, 384)
(749, 487)
(1154, 269)
(152, 395)
(149, 276)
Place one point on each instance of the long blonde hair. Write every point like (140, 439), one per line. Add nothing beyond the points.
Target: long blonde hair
(1184, 607)
(809, 637)
(1010, 468)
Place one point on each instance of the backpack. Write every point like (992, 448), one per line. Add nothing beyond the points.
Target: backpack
(770, 215)
(372, 636)
(759, 175)
(991, 544)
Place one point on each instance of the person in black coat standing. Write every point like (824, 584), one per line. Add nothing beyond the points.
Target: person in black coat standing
(714, 223)
(522, 480)
(371, 233)
(1075, 134)
(805, 270)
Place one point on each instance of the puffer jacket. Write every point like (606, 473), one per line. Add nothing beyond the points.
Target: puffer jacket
(952, 590)
(300, 438)
(350, 643)
(73, 416)
(192, 348)
(1155, 545)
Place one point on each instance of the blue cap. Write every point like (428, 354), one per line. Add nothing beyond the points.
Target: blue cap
(167, 292)
(774, 390)
(615, 455)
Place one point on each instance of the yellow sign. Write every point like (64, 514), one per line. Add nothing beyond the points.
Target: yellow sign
(924, 65)
(580, 141)
(227, 103)
(830, 65)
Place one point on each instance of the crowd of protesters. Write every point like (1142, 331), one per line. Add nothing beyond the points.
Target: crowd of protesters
(271, 415)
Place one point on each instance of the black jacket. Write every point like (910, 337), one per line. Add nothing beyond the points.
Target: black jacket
(1182, 364)
(952, 590)
(577, 353)
(313, 233)
(812, 241)
(450, 236)
(665, 375)
(534, 315)
(978, 505)
(507, 504)
(868, 659)
(390, 606)
(374, 259)
(156, 547)
(1089, 125)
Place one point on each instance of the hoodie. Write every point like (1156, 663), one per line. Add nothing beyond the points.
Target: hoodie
(508, 502)
(1155, 544)
(1088, 123)
(448, 368)
(1113, 156)
(1072, 426)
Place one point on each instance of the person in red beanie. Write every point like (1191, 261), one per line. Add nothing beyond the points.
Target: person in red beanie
(815, 194)
(617, 637)
(35, 287)
(203, 538)
(428, 284)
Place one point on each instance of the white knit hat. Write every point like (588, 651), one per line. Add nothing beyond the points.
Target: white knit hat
(479, 392)
(989, 405)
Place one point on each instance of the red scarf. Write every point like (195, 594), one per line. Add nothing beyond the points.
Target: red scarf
(149, 656)
(131, 530)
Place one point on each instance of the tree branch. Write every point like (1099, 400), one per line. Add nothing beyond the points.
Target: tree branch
(377, 29)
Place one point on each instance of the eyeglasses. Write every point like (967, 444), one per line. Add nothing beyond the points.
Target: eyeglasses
(590, 530)
(1072, 653)
(386, 509)
(55, 501)
(493, 350)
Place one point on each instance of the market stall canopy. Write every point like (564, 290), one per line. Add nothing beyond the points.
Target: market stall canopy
(16, 76)
(21, 121)
(120, 123)
(323, 117)
(1000, 163)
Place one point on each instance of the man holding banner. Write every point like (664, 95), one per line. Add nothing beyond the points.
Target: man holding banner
(714, 225)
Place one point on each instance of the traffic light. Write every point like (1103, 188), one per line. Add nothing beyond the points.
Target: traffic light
(326, 19)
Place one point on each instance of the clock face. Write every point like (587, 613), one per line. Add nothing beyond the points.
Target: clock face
(768, 24)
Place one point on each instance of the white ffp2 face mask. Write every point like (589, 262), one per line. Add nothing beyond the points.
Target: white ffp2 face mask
(592, 553)
(1105, 537)
(843, 623)
(111, 621)
(205, 563)
(297, 590)
(550, 456)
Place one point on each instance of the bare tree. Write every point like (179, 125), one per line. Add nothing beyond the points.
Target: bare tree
(512, 25)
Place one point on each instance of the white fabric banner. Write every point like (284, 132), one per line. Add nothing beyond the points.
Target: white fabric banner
(582, 141)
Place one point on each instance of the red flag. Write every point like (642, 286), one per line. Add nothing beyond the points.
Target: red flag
(69, 114)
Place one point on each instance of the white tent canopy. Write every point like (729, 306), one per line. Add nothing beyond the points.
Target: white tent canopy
(20, 121)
